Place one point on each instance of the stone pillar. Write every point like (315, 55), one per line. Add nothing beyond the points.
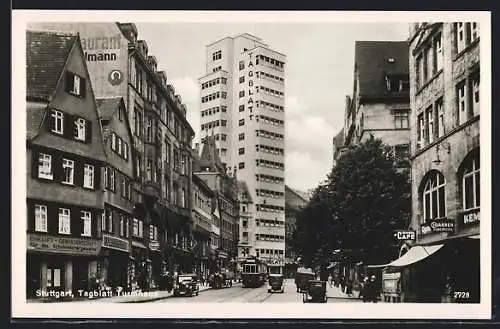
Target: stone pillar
(43, 275)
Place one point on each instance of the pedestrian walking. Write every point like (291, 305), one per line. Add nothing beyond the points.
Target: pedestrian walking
(349, 286)
(362, 292)
(373, 290)
(330, 280)
(342, 284)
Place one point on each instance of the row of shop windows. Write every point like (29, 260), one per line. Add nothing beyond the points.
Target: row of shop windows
(433, 196)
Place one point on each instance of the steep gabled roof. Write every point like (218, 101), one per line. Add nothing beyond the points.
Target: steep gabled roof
(210, 157)
(373, 64)
(108, 106)
(46, 56)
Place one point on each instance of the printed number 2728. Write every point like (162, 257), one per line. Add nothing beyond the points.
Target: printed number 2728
(461, 294)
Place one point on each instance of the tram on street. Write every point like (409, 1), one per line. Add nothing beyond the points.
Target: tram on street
(253, 273)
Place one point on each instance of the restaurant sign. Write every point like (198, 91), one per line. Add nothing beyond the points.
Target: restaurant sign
(63, 245)
(113, 242)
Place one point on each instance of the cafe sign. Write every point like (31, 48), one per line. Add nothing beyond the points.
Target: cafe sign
(405, 235)
(113, 242)
(63, 245)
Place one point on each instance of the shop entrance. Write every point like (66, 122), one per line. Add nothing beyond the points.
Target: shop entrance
(55, 276)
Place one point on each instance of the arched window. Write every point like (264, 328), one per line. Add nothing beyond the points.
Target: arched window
(434, 197)
(471, 183)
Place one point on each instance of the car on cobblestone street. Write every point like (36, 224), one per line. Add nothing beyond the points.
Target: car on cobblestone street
(187, 285)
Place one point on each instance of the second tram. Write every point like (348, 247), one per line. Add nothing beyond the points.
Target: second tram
(254, 272)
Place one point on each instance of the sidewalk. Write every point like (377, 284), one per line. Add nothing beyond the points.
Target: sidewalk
(135, 297)
(336, 292)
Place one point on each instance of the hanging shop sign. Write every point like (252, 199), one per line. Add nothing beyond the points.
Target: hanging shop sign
(154, 245)
(113, 242)
(405, 235)
(440, 225)
(63, 245)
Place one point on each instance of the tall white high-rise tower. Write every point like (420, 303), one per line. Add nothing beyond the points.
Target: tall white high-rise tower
(242, 106)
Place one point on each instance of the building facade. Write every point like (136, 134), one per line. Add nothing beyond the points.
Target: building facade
(445, 102)
(225, 207)
(161, 225)
(380, 102)
(203, 220)
(65, 156)
(118, 177)
(242, 106)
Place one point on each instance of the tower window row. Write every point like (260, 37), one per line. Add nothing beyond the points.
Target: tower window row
(270, 120)
(214, 110)
(270, 149)
(213, 124)
(213, 82)
(213, 96)
(270, 164)
(268, 134)
(269, 179)
(270, 106)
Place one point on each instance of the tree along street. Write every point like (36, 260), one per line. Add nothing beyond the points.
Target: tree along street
(356, 210)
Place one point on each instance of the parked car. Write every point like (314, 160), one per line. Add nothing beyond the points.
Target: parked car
(187, 284)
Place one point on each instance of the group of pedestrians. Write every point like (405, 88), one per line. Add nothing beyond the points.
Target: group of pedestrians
(369, 290)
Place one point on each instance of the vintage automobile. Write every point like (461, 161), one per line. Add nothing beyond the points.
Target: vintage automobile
(302, 277)
(220, 280)
(275, 274)
(315, 292)
(187, 284)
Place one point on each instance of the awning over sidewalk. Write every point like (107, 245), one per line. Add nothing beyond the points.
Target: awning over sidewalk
(414, 255)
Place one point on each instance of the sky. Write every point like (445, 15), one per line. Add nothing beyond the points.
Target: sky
(318, 76)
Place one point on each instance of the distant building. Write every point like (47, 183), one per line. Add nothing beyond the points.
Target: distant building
(225, 209)
(65, 155)
(242, 105)
(203, 219)
(380, 103)
(295, 201)
(445, 101)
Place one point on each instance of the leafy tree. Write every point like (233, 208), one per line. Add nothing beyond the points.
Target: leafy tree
(364, 199)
